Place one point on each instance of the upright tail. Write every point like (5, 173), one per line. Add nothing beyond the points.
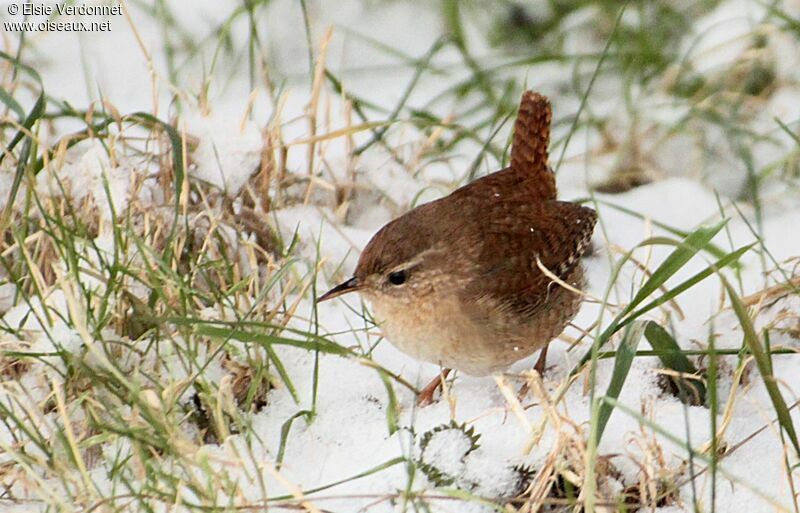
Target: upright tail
(529, 147)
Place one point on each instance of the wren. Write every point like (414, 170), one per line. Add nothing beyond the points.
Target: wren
(458, 281)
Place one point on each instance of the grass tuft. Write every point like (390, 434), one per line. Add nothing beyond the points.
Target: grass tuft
(151, 323)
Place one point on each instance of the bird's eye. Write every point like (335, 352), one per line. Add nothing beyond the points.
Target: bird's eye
(398, 277)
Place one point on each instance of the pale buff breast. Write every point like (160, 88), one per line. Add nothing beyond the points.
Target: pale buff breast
(437, 330)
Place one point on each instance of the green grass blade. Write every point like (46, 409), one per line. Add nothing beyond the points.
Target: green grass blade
(622, 364)
(595, 74)
(713, 405)
(421, 67)
(691, 245)
(176, 142)
(273, 357)
(377, 468)
(5, 216)
(11, 103)
(22, 162)
(669, 351)
(71, 140)
(788, 131)
(36, 112)
(391, 409)
(286, 428)
(710, 248)
(690, 391)
(315, 344)
(19, 65)
(764, 365)
(727, 261)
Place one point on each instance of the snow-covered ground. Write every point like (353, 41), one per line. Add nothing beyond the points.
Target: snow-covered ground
(359, 449)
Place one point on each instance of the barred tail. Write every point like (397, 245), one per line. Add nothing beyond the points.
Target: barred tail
(529, 147)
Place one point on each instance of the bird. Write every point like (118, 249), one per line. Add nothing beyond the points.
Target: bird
(467, 281)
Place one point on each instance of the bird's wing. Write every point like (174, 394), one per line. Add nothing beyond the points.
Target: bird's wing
(510, 236)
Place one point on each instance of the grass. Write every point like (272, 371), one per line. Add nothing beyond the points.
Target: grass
(145, 345)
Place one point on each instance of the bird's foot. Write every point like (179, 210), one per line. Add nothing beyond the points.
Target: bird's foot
(523, 392)
(540, 367)
(425, 397)
(541, 363)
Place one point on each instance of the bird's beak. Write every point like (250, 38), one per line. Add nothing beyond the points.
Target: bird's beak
(350, 285)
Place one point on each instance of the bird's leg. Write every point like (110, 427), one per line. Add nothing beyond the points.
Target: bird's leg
(539, 367)
(541, 362)
(425, 396)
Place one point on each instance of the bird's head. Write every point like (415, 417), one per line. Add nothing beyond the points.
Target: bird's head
(402, 261)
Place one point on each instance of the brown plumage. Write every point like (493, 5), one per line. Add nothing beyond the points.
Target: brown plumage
(456, 281)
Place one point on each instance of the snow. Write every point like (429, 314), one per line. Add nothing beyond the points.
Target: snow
(228, 151)
(89, 175)
(349, 433)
